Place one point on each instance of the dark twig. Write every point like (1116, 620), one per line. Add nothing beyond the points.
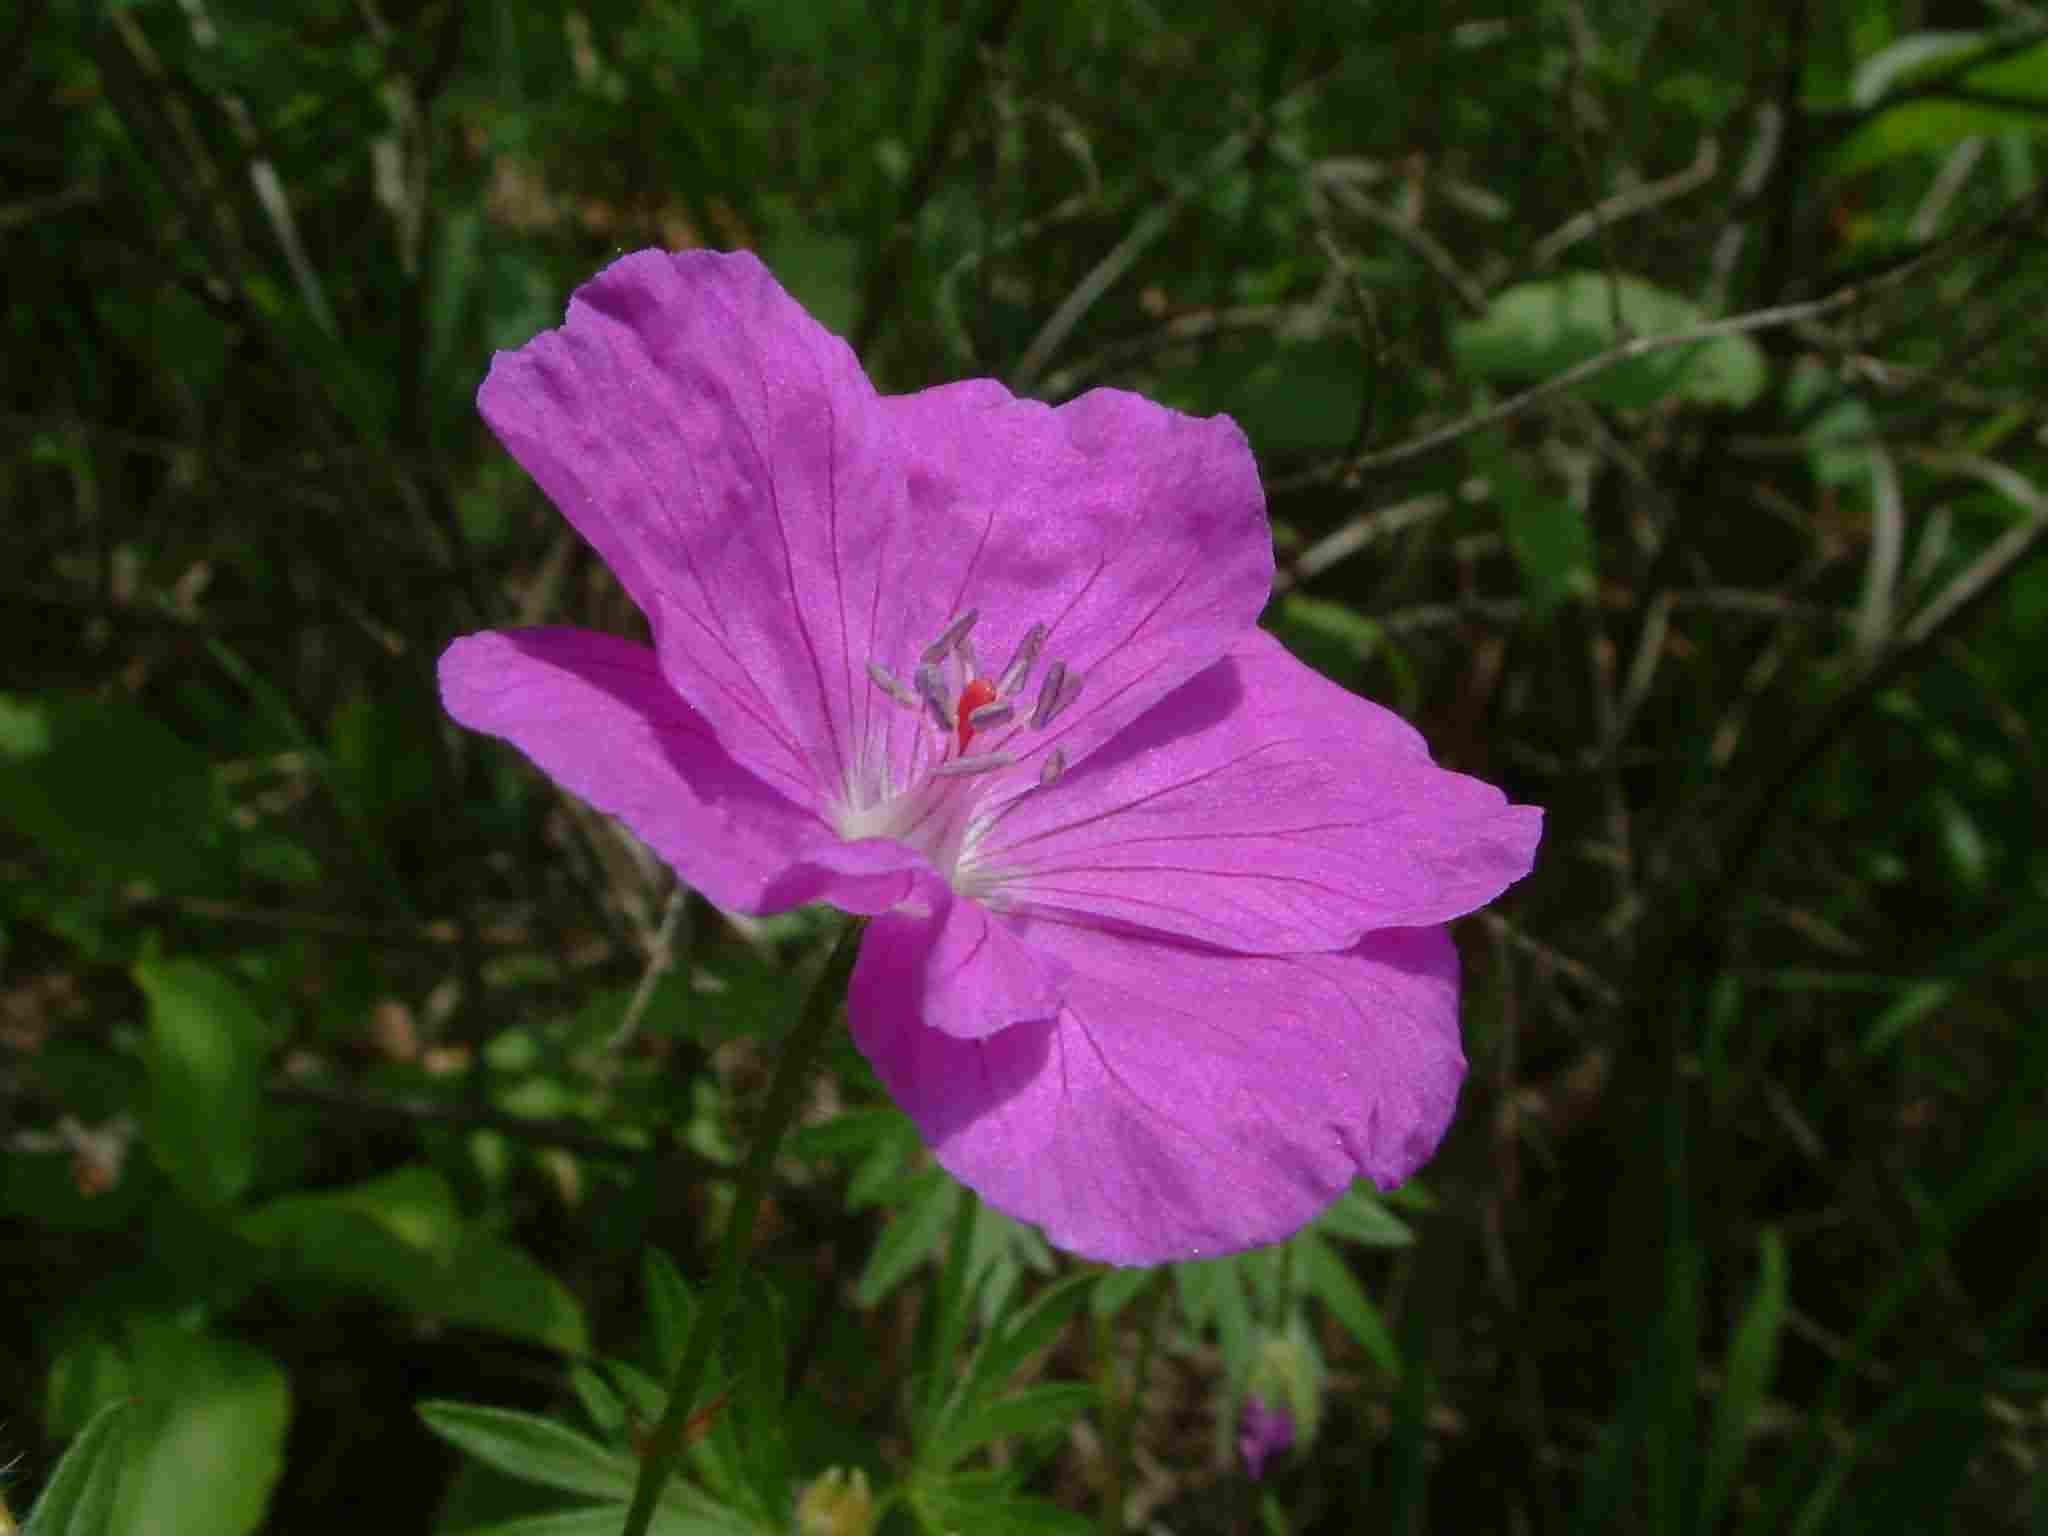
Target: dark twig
(1776, 317)
(1917, 640)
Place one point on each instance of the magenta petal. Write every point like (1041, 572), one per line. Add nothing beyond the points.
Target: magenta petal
(957, 967)
(595, 714)
(1262, 808)
(728, 459)
(1187, 1103)
(1135, 534)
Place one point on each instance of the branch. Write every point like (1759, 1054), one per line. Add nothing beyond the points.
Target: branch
(1777, 316)
(1917, 639)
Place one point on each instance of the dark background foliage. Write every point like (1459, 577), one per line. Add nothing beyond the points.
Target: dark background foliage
(344, 1065)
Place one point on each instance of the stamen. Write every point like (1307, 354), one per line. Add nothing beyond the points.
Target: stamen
(964, 649)
(1054, 694)
(962, 767)
(1048, 693)
(1070, 690)
(931, 687)
(1018, 672)
(886, 680)
(1055, 765)
(997, 713)
(951, 636)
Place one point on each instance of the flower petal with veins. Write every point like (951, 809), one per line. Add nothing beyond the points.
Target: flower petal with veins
(1155, 956)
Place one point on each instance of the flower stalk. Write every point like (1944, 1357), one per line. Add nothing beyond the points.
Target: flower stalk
(665, 1445)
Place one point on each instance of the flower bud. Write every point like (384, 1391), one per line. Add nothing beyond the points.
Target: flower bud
(1262, 1432)
(837, 1503)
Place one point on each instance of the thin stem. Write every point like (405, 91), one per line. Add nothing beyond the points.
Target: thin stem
(665, 1446)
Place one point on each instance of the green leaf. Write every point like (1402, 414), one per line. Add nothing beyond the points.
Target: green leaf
(1908, 58)
(1116, 1289)
(820, 270)
(205, 1056)
(1752, 1359)
(844, 1135)
(105, 790)
(374, 756)
(497, 1286)
(80, 1497)
(670, 1309)
(705, 1518)
(759, 1419)
(1359, 1217)
(1324, 1275)
(1537, 330)
(910, 1238)
(401, 1239)
(1333, 638)
(206, 1442)
(1548, 535)
(533, 1449)
(1933, 125)
(984, 1504)
(1034, 1410)
(1292, 397)
(1212, 1293)
(1020, 1337)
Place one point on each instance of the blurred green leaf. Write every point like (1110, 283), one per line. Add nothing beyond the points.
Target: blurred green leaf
(1038, 1410)
(1116, 1289)
(1548, 535)
(105, 790)
(1535, 330)
(671, 1308)
(707, 1519)
(401, 1238)
(1752, 1359)
(205, 1056)
(1013, 1341)
(1334, 638)
(533, 1449)
(759, 1417)
(1292, 397)
(821, 270)
(204, 1432)
(912, 1235)
(2004, 96)
(1324, 1276)
(212, 1439)
(1358, 1216)
(80, 1498)
(986, 1505)
(376, 746)
(849, 1132)
(1212, 1291)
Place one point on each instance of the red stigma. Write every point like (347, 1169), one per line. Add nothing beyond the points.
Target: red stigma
(977, 693)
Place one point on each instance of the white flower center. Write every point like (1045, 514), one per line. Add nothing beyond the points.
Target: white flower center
(956, 785)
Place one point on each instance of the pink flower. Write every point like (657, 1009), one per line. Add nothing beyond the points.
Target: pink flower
(1157, 958)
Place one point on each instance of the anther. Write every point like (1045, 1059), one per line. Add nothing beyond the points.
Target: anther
(932, 689)
(1018, 672)
(1054, 695)
(1055, 765)
(951, 636)
(997, 713)
(962, 767)
(886, 680)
